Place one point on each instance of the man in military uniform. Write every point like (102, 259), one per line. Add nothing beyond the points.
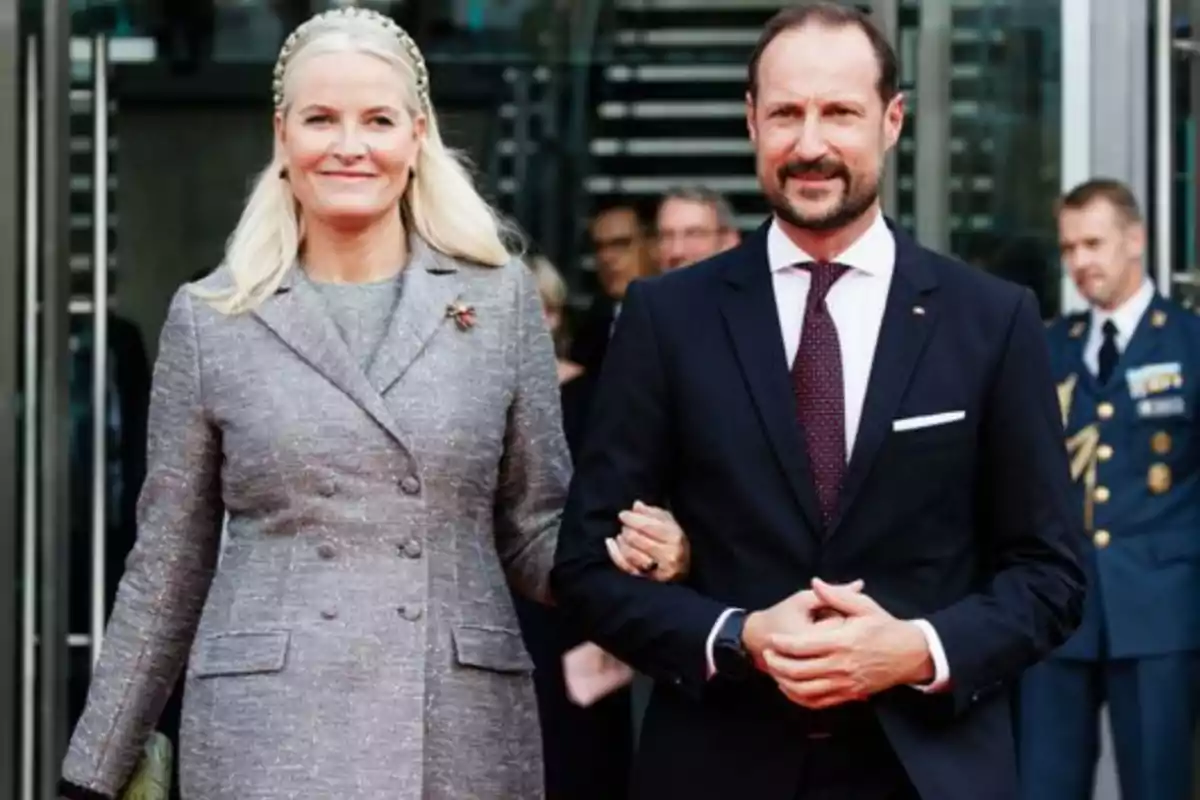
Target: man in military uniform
(1128, 371)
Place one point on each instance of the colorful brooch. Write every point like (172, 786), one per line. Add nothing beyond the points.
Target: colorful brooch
(463, 315)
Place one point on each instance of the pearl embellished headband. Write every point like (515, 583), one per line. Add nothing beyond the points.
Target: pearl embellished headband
(352, 13)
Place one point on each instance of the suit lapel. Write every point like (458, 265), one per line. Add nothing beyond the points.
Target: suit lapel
(296, 315)
(909, 317)
(1078, 334)
(752, 318)
(432, 284)
(1142, 343)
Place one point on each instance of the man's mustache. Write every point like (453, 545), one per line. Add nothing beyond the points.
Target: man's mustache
(821, 169)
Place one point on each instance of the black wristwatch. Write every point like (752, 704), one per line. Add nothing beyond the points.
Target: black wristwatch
(730, 657)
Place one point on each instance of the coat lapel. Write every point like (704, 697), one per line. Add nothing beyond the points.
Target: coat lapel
(752, 318)
(1142, 343)
(909, 317)
(296, 314)
(432, 284)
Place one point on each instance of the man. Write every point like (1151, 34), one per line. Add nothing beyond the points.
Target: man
(871, 475)
(692, 224)
(622, 248)
(1128, 371)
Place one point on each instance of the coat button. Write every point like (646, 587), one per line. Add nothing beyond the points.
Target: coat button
(1105, 410)
(1101, 539)
(410, 484)
(326, 551)
(329, 613)
(1104, 452)
(1101, 494)
(410, 549)
(411, 612)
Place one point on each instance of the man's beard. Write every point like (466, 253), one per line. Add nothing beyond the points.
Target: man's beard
(857, 197)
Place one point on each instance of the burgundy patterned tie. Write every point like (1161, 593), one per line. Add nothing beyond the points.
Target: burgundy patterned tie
(817, 383)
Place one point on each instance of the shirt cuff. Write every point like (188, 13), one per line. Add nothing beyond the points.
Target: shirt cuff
(712, 637)
(941, 667)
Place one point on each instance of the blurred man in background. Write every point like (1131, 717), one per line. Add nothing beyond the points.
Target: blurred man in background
(692, 224)
(623, 251)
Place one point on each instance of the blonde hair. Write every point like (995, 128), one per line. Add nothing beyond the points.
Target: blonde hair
(550, 286)
(440, 204)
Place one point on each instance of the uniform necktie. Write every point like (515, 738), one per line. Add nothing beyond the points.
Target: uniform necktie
(1108, 352)
(819, 389)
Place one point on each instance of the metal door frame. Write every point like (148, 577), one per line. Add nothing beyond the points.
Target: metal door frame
(10, 478)
(1163, 168)
(34, 293)
(54, 329)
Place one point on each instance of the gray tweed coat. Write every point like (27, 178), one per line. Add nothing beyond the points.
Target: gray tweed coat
(357, 639)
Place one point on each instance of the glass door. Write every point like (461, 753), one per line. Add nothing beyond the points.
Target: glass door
(54, 439)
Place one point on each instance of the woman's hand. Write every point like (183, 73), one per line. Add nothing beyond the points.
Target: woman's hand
(651, 544)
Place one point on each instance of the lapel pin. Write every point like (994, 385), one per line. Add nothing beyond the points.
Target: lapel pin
(1077, 330)
(462, 314)
(919, 310)
(1158, 318)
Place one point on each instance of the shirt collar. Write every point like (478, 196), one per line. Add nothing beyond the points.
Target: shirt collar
(873, 253)
(1127, 315)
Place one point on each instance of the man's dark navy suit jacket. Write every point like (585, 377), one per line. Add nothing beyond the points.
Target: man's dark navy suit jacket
(972, 525)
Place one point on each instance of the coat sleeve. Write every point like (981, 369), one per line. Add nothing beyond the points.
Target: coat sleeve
(536, 466)
(630, 453)
(168, 573)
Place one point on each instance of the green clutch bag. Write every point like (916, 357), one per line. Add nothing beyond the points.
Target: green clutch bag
(152, 778)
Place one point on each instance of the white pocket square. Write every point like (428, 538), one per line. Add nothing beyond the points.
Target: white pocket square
(928, 420)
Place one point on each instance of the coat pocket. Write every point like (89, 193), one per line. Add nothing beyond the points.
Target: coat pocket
(241, 653)
(496, 649)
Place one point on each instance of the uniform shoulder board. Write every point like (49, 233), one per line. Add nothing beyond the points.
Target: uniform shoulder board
(1068, 324)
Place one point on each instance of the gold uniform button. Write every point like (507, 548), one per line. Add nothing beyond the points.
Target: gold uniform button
(1104, 410)
(1161, 443)
(1104, 452)
(1101, 539)
(1159, 478)
(1101, 494)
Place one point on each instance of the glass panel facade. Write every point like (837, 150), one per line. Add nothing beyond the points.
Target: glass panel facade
(998, 127)
(1185, 102)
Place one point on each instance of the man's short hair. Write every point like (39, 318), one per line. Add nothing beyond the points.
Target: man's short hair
(831, 15)
(1108, 190)
(623, 205)
(702, 195)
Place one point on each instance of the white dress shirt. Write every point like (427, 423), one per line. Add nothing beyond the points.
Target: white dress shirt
(1125, 316)
(856, 304)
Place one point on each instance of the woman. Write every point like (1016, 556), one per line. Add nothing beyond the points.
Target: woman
(552, 291)
(367, 388)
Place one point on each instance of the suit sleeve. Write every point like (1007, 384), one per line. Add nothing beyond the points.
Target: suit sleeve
(1030, 525)
(536, 466)
(168, 573)
(628, 454)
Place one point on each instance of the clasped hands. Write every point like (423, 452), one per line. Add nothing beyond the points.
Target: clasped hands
(833, 644)
(824, 646)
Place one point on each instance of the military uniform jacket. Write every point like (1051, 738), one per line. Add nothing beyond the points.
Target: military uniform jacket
(1135, 460)
(357, 638)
